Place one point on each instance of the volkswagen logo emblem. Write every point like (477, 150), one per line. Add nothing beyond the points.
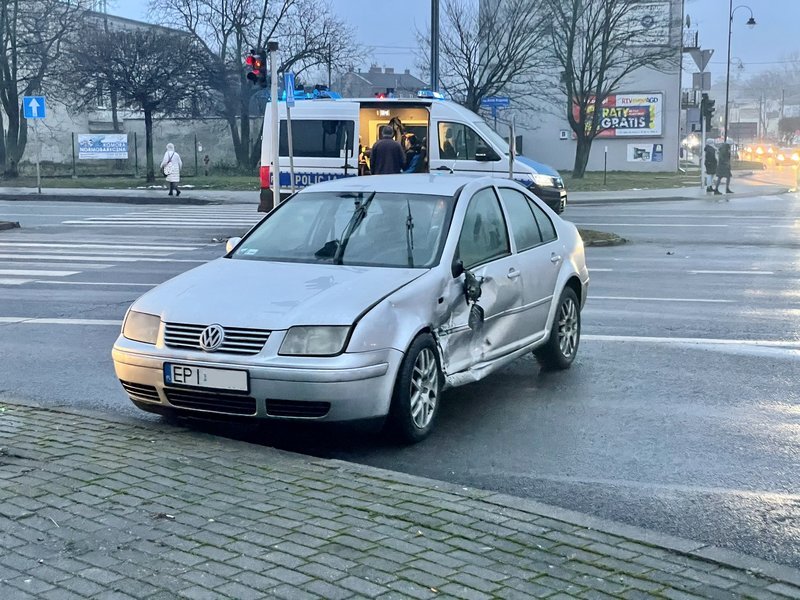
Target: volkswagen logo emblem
(212, 337)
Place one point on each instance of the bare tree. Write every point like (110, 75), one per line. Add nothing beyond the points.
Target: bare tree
(32, 36)
(309, 34)
(151, 70)
(497, 47)
(597, 45)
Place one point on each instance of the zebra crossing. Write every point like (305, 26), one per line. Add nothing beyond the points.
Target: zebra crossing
(178, 217)
(42, 260)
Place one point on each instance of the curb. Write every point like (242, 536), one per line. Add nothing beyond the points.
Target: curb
(773, 192)
(104, 199)
(8, 225)
(694, 549)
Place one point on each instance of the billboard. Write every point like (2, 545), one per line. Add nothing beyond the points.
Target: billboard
(630, 115)
(103, 146)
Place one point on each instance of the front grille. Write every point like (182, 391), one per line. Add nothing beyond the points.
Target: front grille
(138, 391)
(212, 401)
(293, 408)
(238, 340)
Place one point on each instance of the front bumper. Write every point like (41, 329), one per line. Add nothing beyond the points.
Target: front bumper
(552, 196)
(348, 387)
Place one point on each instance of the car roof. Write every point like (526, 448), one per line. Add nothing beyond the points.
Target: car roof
(433, 184)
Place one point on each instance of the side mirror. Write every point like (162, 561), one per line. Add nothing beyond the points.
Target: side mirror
(458, 268)
(484, 154)
(231, 244)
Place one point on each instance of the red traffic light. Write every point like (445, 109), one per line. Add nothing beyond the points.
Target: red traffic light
(249, 60)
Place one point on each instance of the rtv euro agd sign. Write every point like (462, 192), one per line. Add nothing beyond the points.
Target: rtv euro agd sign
(103, 146)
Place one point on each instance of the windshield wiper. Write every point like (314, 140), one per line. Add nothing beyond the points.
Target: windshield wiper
(410, 235)
(356, 220)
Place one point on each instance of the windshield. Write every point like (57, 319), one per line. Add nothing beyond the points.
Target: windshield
(353, 228)
(491, 135)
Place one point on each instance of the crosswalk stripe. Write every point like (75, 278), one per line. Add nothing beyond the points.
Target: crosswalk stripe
(101, 258)
(160, 225)
(45, 240)
(103, 283)
(95, 246)
(6, 281)
(37, 273)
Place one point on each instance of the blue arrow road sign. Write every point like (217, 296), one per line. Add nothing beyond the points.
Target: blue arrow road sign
(498, 101)
(34, 107)
(288, 85)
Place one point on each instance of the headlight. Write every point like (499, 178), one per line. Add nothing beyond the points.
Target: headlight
(141, 327)
(542, 180)
(780, 157)
(314, 341)
(796, 157)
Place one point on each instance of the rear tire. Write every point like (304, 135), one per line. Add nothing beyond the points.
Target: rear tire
(417, 392)
(559, 351)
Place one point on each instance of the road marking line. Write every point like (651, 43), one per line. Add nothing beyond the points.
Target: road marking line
(692, 341)
(157, 224)
(645, 299)
(48, 321)
(25, 238)
(96, 283)
(14, 281)
(112, 259)
(37, 273)
(96, 246)
(708, 272)
(595, 270)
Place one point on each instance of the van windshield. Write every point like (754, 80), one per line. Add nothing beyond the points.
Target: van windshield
(379, 229)
(490, 134)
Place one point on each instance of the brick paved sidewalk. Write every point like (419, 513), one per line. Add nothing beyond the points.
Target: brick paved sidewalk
(92, 508)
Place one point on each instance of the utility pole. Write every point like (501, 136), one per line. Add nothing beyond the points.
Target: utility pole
(275, 170)
(435, 45)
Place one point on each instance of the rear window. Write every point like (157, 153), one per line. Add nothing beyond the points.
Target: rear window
(317, 138)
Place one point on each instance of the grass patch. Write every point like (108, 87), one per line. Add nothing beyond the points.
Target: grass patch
(592, 237)
(629, 180)
(212, 182)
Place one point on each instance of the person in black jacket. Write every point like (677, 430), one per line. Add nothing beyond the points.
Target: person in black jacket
(724, 168)
(387, 156)
(710, 160)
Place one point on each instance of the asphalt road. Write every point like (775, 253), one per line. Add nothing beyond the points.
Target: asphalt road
(682, 412)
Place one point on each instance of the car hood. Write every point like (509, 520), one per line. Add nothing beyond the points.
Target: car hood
(271, 295)
(537, 167)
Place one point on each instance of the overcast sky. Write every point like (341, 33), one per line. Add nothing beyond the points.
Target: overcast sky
(390, 31)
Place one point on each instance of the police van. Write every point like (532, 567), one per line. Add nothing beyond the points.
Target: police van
(331, 136)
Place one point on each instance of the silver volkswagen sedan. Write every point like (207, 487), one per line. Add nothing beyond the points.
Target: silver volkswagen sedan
(361, 298)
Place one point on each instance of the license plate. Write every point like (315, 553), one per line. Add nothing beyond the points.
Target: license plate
(205, 377)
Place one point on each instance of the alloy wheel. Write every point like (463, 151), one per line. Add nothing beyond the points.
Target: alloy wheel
(424, 388)
(568, 327)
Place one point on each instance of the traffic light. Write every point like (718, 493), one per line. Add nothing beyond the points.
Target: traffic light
(707, 110)
(256, 63)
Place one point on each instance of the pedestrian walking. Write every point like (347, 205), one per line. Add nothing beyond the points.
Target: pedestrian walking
(387, 156)
(710, 160)
(724, 168)
(171, 166)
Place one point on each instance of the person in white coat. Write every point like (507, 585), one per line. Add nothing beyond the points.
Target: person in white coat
(171, 166)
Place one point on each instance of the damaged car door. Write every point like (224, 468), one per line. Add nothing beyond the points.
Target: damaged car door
(486, 289)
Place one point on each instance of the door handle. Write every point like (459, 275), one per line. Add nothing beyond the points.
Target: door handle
(555, 258)
(513, 274)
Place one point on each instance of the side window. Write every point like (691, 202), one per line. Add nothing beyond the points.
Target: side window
(545, 224)
(458, 141)
(484, 235)
(317, 138)
(521, 220)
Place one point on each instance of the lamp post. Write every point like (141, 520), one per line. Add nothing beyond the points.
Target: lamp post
(435, 45)
(751, 22)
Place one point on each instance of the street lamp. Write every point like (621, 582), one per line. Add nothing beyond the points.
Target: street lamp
(751, 22)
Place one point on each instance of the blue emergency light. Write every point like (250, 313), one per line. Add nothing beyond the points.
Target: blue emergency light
(430, 94)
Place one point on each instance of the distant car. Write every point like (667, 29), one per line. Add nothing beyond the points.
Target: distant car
(787, 156)
(362, 298)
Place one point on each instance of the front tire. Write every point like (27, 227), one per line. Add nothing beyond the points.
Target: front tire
(417, 392)
(559, 351)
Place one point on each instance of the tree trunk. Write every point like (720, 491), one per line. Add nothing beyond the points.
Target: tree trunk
(16, 140)
(581, 156)
(148, 144)
(2, 140)
(114, 115)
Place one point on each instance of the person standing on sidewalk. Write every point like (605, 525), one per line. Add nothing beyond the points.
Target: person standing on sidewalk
(710, 161)
(171, 166)
(387, 156)
(724, 168)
